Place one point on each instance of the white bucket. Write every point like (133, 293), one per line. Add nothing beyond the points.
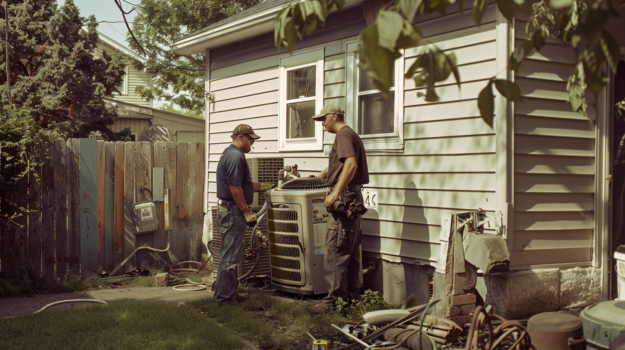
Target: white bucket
(619, 257)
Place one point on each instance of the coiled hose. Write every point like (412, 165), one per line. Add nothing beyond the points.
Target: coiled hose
(481, 318)
(260, 216)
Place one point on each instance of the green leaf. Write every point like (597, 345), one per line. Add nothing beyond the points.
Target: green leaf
(519, 53)
(377, 61)
(390, 26)
(611, 49)
(479, 8)
(486, 104)
(565, 22)
(509, 90)
(538, 39)
(506, 7)
(559, 4)
(576, 87)
(409, 8)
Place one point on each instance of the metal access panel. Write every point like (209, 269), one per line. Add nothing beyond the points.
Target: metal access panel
(158, 180)
(145, 219)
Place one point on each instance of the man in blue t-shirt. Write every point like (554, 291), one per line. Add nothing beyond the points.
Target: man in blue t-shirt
(235, 191)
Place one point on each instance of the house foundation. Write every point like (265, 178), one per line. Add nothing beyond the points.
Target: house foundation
(516, 294)
(396, 281)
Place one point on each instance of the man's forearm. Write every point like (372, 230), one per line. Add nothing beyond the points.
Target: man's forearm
(237, 195)
(324, 173)
(346, 176)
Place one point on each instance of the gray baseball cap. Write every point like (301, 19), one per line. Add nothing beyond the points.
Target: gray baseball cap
(327, 109)
(245, 129)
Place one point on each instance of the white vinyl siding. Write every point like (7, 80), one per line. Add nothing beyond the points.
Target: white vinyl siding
(554, 164)
(134, 78)
(447, 164)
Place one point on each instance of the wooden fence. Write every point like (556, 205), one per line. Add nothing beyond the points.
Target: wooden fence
(81, 209)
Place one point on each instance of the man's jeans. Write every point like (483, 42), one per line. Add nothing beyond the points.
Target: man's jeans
(232, 230)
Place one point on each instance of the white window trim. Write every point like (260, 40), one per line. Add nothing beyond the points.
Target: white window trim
(293, 62)
(394, 141)
(125, 83)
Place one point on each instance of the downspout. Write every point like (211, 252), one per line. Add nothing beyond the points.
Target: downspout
(504, 136)
(207, 232)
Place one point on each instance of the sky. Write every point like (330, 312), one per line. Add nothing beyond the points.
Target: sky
(106, 10)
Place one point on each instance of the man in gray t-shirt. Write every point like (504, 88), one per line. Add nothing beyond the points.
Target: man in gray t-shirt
(346, 173)
(235, 191)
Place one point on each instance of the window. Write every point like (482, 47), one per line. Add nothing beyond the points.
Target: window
(123, 86)
(301, 97)
(378, 121)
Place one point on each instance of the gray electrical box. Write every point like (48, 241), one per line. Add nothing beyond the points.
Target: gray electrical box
(158, 180)
(145, 219)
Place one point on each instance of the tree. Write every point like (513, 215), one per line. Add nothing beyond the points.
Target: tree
(158, 24)
(577, 22)
(57, 85)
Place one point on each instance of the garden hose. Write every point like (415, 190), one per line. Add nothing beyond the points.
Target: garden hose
(261, 215)
(135, 252)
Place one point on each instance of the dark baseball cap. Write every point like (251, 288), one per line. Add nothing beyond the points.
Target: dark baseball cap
(327, 109)
(245, 129)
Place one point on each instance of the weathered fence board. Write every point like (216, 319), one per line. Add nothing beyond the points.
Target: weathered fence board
(33, 253)
(100, 192)
(81, 217)
(118, 205)
(143, 192)
(60, 207)
(129, 199)
(88, 208)
(47, 208)
(160, 236)
(73, 217)
(179, 239)
(109, 206)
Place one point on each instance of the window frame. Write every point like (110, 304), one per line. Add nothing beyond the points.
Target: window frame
(124, 91)
(387, 141)
(307, 59)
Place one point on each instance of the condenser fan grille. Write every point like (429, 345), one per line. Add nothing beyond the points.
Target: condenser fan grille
(307, 183)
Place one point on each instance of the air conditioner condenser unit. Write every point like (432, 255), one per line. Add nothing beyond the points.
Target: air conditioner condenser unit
(296, 223)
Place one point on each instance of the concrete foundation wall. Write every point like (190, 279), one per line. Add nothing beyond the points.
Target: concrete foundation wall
(523, 293)
(396, 281)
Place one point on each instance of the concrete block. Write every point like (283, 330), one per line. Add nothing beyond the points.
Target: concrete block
(522, 293)
(396, 281)
(487, 252)
(579, 287)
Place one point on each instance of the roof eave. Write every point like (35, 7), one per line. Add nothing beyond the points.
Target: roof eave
(253, 25)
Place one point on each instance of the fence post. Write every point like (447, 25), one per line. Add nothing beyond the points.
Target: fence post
(61, 204)
(33, 254)
(129, 199)
(109, 205)
(100, 205)
(180, 239)
(143, 180)
(48, 196)
(118, 202)
(160, 236)
(73, 217)
(88, 214)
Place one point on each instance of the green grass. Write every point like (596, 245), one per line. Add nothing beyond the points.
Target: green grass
(275, 324)
(119, 325)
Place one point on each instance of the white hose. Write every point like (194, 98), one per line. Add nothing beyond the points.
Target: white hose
(198, 287)
(71, 301)
(135, 252)
(260, 215)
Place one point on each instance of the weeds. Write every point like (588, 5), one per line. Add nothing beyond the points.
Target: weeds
(355, 308)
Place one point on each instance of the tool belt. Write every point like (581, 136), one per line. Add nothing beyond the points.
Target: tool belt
(226, 203)
(347, 205)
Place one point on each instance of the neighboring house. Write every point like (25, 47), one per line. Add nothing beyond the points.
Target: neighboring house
(136, 113)
(542, 172)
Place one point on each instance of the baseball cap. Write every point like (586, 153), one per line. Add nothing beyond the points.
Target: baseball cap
(245, 129)
(334, 109)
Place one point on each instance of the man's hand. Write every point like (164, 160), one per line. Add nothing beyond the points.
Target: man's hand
(247, 211)
(331, 198)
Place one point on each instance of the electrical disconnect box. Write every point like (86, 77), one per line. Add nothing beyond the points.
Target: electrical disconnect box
(145, 219)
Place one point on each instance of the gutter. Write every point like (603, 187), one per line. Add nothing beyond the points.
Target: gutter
(247, 27)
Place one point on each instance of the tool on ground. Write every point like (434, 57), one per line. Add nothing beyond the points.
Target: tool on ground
(350, 336)
(318, 344)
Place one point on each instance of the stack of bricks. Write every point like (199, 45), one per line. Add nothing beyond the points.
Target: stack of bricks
(462, 308)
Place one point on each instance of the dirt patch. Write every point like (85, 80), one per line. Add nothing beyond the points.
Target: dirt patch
(24, 305)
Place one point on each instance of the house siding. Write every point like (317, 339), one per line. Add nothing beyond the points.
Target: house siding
(554, 163)
(135, 78)
(448, 161)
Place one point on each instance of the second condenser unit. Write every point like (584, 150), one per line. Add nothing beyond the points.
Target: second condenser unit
(296, 223)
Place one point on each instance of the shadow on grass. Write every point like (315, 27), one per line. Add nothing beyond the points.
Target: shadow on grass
(119, 325)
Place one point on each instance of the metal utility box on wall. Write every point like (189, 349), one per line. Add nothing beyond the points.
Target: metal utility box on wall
(145, 219)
